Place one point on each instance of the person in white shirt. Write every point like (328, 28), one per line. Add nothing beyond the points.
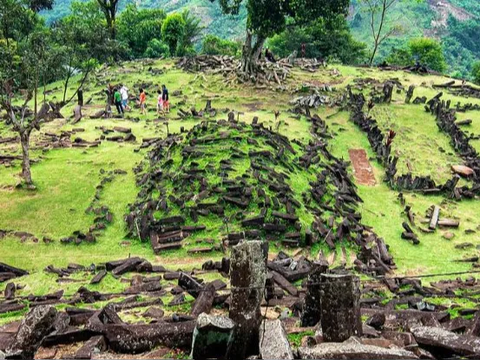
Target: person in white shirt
(124, 93)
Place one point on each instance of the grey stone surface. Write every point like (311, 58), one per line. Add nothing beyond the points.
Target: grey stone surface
(273, 341)
(443, 340)
(33, 328)
(353, 350)
(212, 336)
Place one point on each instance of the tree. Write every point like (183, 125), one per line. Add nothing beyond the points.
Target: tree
(16, 20)
(173, 31)
(110, 8)
(476, 72)
(38, 5)
(425, 51)
(380, 31)
(191, 31)
(22, 66)
(428, 52)
(137, 28)
(322, 39)
(269, 17)
(213, 45)
(83, 41)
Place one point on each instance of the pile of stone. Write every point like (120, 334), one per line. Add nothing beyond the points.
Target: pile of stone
(247, 192)
(463, 89)
(230, 68)
(381, 145)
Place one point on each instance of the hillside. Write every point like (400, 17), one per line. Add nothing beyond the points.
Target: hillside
(455, 22)
(174, 192)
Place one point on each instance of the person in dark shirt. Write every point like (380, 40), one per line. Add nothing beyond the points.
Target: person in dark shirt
(165, 99)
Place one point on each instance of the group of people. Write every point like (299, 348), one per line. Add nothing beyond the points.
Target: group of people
(119, 97)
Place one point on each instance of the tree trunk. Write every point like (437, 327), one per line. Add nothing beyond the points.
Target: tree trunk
(251, 53)
(25, 141)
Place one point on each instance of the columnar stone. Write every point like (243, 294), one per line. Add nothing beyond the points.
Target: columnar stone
(247, 278)
(409, 96)
(311, 314)
(340, 308)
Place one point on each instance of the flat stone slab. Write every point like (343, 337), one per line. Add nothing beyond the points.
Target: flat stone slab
(441, 339)
(355, 351)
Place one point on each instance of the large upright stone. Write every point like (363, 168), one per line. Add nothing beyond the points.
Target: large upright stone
(33, 328)
(212, 337)
(273, 341)
(311, 313)
(247, 279)
(339, 298)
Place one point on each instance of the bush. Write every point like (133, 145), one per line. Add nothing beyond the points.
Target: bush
(426, 51)
(156, 48)
(322, 39)
(476, 72)
(213, 45)
(136, 28)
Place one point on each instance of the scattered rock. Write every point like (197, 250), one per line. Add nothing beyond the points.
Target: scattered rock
(273, 341)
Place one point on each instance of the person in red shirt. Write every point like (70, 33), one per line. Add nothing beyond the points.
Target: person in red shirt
(143, 100)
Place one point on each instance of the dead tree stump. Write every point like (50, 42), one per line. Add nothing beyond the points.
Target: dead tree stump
(311, 314)
(247, 278)
(340, 307)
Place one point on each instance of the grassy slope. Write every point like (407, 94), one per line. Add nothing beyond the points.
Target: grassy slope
(67, 178)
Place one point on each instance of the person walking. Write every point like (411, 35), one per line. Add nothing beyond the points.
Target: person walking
(124, 93)
(165, 99)
(143, 100)
(118, 101)
(159, 102)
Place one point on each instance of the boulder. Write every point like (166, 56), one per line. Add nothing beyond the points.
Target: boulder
(212, 337)
(462, 170)
(273, 341)
(33, 328)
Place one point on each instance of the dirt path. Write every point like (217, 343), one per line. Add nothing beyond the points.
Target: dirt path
(361, 167)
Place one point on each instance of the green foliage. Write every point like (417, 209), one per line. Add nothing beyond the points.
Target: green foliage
(296, 339)
(191, 31)
(213, 45)
(138, 28)
(156, 48)
(425, 51)
(83, 35)
(16, 19)
(476, 72)
(429, 52)
(322, 39)
(172, 31)
(267, 18)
